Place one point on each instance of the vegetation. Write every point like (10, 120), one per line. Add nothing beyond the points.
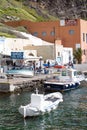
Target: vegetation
(13, 10)
(17, 10)
(40, 10)
(7, 35)
(10, 32)
(78, 55)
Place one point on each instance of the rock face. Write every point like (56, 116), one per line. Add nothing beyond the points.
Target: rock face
(30, 86)
(62, 8)
(42, 10)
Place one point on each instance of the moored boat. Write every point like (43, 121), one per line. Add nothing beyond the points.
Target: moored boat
(41, 104)
(21, 72)
(66, 79)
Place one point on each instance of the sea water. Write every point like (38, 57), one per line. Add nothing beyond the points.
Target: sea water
(71, 114)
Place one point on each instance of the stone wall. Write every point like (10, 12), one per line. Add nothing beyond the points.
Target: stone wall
(4, 87)
(47, 52)
(81, 67)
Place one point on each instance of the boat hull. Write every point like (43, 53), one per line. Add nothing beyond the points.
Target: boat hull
(48, 86)
(20, 72)
(28, 111)
(37, 107)
(67, 79)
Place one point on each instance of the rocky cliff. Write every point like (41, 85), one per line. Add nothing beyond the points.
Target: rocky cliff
(61, 9)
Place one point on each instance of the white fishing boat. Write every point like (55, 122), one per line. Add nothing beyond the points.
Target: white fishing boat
(66, 79)
(41, 104)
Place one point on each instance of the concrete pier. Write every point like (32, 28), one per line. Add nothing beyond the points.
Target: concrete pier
(19, 83)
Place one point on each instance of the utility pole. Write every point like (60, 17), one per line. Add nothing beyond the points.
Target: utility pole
(54, 45)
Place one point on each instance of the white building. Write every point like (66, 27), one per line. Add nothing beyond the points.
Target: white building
(48, 50)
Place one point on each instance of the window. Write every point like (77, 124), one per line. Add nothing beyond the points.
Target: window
(75, 73)
(84, 52)
(43, 33)
(30, 54)
(58, 53)
(86, 37)
(52, 33)
(64, 73)
(35, 33)
(71, 32)
(83, 36)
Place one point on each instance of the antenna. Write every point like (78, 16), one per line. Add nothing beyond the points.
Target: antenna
(36, 91)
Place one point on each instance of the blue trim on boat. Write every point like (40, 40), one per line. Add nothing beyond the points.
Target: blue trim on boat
(60, 87)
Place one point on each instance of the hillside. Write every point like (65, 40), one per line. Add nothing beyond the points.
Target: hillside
(10, 32)
(39, 10)
(13, 10)
(61, 9)
(68, 9)
(21, 9)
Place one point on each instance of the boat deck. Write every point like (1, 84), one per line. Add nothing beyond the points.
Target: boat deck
(52, 99)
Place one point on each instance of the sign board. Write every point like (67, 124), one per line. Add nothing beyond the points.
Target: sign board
(69, 22)
(17, 55)
(2, 39)
(59, 60)
(62, 22)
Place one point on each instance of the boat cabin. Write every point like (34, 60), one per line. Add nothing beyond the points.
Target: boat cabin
(72, 73)
(37, 100)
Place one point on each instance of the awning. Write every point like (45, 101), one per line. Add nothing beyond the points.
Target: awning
(32, 58)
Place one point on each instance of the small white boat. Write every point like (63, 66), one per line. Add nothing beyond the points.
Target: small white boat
(21, 72)
(41, 104)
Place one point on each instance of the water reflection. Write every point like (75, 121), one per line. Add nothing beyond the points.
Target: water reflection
(13, 99)
(39, 123)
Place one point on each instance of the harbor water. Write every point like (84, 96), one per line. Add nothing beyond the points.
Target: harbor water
(71, 114)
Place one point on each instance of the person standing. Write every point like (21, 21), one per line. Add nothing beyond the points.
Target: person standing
(48, 64)
(34, 67)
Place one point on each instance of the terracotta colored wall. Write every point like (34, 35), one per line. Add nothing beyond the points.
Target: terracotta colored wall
(13, 23)
(61, 32)
(39, 27)
(43, 27)
(70, 40)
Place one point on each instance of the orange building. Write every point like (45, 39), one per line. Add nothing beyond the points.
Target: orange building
(72, 33)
